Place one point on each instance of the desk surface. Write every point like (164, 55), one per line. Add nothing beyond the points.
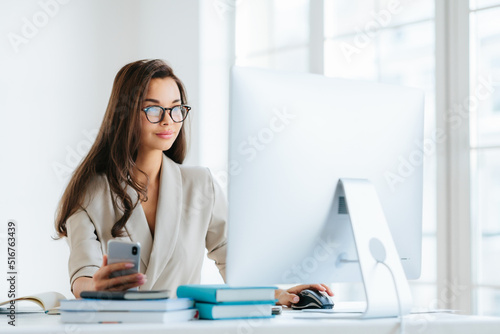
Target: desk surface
(416, 323)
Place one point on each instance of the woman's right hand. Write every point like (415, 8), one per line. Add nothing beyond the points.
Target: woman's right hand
(102, 282)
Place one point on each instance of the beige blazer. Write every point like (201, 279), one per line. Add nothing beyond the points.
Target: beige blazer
(191, 215)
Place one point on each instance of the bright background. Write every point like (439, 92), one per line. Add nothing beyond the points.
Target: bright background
(58, 60)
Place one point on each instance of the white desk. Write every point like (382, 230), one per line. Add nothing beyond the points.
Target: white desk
(415, 324)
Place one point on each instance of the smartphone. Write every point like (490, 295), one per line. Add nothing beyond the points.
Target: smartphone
(122, 251)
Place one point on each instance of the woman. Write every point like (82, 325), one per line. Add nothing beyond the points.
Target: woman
(131, 186)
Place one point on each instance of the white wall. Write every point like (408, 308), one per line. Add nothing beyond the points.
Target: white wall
(53, 93)
(217, 55)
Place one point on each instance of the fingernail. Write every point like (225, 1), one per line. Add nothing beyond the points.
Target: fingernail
(129, 265)
(295, 299)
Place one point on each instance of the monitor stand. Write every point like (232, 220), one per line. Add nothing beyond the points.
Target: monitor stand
(381, 270)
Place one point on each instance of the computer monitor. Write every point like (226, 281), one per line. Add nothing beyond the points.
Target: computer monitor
(292, 136)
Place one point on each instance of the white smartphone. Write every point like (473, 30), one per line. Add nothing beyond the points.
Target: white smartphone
(122, 251)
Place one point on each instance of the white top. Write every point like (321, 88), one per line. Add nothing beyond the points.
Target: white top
(286, 324)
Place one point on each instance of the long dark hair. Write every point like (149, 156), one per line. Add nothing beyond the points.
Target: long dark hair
(115, 149)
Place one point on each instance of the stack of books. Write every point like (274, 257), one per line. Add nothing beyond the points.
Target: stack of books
(127, 307)
(224, 302)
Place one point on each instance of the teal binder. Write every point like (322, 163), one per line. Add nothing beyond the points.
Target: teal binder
(221, 293)
(234, 311)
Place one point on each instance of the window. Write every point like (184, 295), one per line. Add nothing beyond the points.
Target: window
(362, 39)
(484, 109)
(273, 34)
(380, 41)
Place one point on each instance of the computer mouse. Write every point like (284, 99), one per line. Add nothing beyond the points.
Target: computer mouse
(311, 299)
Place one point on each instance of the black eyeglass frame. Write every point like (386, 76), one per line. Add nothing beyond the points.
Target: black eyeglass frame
(169, 113)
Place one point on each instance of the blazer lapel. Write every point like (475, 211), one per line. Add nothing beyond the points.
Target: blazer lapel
(138, 229)
(168, 219)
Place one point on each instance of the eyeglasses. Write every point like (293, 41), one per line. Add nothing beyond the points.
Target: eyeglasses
(155, 114)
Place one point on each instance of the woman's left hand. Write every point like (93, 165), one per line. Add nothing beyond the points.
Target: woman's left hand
(289, 297)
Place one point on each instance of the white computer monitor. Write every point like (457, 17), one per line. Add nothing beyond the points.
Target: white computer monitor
(292, 137)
